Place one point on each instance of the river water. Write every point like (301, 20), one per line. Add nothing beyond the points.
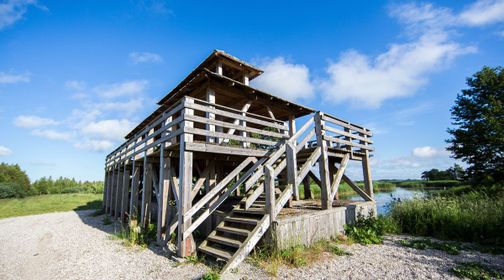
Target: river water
(383, 199)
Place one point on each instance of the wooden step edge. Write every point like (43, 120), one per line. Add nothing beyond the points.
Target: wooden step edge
(233, 230)
(251, 210)
(218, 253)
(241, 220)
(225, 241)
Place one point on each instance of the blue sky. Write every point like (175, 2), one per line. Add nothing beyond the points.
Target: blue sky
(74, 78)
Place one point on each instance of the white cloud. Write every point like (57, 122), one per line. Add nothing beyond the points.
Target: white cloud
(108, 129)
(401, 70)
(287, 80)
(429, 152)
(52, 134)
(483, 12)
(4, 151)
(75, 85)
(29, 121)
(127, 88)
(127, 107)
(6, 78)
(145, 57)
(94, 145)
(13, 10)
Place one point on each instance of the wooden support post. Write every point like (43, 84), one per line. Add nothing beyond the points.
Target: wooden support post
(113, 181)
(246, 80)
(146, 194)
(210, 182)
(107, 190)
(104, 199)
(125, 193)
(307, 188)
(171, 215)
(210, 96)
(292, 168)
(366, 169)
(118, 193)
(218, 68)
(269, 188)
(292, 125)
(163, 189)
(186, 247)
(325, 187)
(135, 179)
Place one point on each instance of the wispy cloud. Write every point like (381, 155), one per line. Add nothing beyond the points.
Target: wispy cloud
(145, 57)
(108, 129)
(94, 145)
(11, 78)
(12, 11)
(483, 12)
(52, 134)
(126, 88)
(429, 152)
(288, 80)
(30, 121)
(4, 151)
(75, 85)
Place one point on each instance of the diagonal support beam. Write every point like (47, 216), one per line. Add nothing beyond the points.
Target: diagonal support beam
(339, 174)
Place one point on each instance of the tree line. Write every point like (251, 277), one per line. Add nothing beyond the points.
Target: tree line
(14, 182)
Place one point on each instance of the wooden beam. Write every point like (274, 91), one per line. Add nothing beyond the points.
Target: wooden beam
(356, 188)
(125, 193)
(269, 188)
(292, 168)
(307, 188)
(210, 98)
(118, 193)
(186, 245)
(339, 174)
(325, 187)
(146, 194)
(163, 190)
(135, 179)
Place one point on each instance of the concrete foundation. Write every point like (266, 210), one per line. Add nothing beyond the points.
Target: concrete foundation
(306, 226)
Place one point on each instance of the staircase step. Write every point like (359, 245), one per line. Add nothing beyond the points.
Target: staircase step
(241, 220)
(233, 230)
(251, 210)
(225, 241)
(218, 253)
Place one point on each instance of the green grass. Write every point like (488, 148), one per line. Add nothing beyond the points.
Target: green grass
(476, 271)
(40, 204)
(471, 217)
(449, 247)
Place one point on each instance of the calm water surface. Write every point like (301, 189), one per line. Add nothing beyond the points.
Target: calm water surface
(383, 199)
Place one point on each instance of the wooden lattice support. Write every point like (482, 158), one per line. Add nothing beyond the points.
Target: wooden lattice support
(118, 192)
(163, 190)
(135, 180)
(146, 193)
(125, 192)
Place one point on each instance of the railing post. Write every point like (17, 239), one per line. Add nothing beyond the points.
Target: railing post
(210, 96)
(292, 168)
(323, 163)
(366, 169)
(269, 188)
(186, 246)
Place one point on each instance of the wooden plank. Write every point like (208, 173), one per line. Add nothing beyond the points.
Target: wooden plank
(210, 97)
(307, 166)
(344, 133)
(356, 188)
(292, 168)
(236, 116)
(339, 174)
(146, 194)
(346, 142)
(233, 126)
(164, 172)
(186, 245)
(125, 194)
(342, 123)
(227, 150)
(248, 244)
(269, 189)
(118, 193)
(282, 199)
(325, 193)
(203, 132)
(135, 179)
(307, 188)
(305, 140)
(366, 169)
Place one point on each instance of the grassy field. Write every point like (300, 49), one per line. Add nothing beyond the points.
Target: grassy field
(48, 203)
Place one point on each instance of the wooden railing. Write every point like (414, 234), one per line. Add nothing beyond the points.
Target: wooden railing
(210, 124)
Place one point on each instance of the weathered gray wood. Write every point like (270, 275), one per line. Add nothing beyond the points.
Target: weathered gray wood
(210, 97)
(325, 193)
(146, 194)
(347, 134)
(211, 148)
(348, 125)
(292, 168)
(347, 142)
(118, 193)
(356, 188)
(307, 188)
(135, 180)
(164, 187)
(269, 188)
(282, 199)
(186, 245)
(366, 169)
(198, 131)
(307, 166)
(125, 193)
(104, 198)
(339, 174)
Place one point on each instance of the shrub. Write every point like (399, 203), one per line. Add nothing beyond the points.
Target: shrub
(471, 217)
(7, 190)
(15, 178)
(212, 275)
(476, 271)
(370, 230)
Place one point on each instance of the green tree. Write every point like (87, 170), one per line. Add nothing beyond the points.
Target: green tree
(14, 181)
(478, 118)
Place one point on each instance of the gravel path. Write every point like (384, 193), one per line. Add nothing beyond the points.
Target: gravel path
(74, 245)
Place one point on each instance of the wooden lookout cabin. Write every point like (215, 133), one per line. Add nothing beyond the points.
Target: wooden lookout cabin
(220, 163)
